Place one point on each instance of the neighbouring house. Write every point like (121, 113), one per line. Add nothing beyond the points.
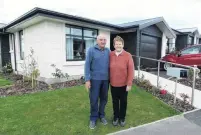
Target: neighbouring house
(63, 40)
(4, 47)
(200, 39)
(146, 38)
(186, 37)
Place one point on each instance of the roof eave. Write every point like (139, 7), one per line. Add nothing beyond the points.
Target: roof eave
(62, 15)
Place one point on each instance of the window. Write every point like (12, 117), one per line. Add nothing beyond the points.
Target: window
(192, 50)
(78, 40)
(21, 44)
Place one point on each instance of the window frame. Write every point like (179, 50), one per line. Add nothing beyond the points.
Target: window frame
(82, 37)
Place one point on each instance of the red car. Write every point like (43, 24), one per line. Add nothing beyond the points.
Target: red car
(188, 56)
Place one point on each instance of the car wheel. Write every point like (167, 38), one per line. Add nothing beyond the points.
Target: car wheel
(167, 65)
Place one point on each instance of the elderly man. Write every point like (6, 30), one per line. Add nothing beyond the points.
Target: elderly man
(96, 78)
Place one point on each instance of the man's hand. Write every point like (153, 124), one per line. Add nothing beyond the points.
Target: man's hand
(128, 88)
(88, 85)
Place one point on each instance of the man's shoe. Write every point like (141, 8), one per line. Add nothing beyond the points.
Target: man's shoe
(92, 124)
(115, 122)
(104, 121)
(122, 123)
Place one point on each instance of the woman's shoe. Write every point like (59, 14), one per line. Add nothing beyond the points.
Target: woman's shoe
(122, 123)
(115, 122)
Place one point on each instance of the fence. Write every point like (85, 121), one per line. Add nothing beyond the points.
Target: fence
(158, 68)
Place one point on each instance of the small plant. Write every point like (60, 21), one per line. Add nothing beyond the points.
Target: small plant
(50, 87)
(58, 73)
(163, 91)
(7, 69)
(144, 83)
(185, 98)
(30, 70)
(190, 73)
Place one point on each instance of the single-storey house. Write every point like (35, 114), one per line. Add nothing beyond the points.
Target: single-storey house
(200, 39)
(63, 39)
(186, 37)
(4, 47)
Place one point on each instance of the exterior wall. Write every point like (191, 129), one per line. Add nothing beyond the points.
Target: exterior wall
(153, 31)
(195, 40)
(164, 45)
(48, 41)
(181, 41)
(171, 43)
(11, 51)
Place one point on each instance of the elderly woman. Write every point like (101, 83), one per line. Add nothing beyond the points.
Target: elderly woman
(121, 77)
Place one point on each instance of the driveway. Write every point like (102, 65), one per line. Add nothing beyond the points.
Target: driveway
(185, 124)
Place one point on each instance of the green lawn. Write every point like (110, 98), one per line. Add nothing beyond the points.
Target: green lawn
(67, 112)
(4, 82)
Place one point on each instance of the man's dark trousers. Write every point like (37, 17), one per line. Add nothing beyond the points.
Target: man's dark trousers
(98, 98)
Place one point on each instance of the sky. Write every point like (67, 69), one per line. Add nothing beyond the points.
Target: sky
(177, 13)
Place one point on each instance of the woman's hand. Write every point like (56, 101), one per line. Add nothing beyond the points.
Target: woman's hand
(128, 88)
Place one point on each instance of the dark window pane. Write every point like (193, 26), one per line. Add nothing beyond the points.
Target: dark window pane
(90, 33)
(75, 47)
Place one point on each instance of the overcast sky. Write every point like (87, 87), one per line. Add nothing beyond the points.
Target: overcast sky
(178, 13)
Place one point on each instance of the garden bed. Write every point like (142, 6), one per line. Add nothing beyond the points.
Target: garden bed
(189, 82)
(21, 87)
(180, 105)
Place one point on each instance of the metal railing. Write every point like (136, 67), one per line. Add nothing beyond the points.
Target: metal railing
(140, 58)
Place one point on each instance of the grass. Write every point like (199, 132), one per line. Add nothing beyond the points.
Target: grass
(67, 112)
(4, 82)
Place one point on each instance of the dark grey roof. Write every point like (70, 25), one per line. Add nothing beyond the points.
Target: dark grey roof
(177, 32)
(188, 30)
(77, 18)
(137, 23)
(61, 15)
(2, 25)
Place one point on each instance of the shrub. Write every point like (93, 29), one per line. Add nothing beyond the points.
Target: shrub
(141, 82)
(58, 73)
(7, 69)
(185, 98)
(30, 68)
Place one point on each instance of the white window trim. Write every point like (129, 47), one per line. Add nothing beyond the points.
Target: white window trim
(74, 63)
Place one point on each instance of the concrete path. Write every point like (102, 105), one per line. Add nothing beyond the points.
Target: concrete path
(186, 124)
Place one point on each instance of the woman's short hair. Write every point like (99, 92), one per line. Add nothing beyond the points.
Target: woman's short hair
(118, 38)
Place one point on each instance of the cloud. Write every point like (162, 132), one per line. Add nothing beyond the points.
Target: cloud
(178, 13)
